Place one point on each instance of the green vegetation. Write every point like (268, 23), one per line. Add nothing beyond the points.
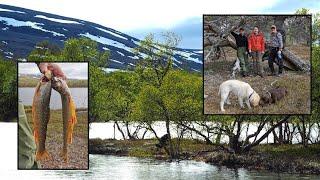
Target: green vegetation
(8, 90)
(75, 49)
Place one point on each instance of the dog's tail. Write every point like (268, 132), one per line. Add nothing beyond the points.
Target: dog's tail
(219, 91)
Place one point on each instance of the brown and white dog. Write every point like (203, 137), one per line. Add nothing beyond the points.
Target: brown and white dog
(272, 96)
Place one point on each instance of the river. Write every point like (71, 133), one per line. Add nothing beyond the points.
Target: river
(128, 168)
(80, 96)
(131, 168)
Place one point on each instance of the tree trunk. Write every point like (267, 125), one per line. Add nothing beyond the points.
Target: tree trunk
(249, 146)
(120, 130)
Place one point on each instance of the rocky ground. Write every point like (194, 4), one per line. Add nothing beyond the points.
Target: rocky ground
(78, 150)
(275, 158)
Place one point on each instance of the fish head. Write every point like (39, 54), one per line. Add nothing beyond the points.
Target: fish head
(60, 85)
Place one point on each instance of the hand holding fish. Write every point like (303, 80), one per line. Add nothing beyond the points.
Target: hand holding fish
(54, 68)
(53, 78)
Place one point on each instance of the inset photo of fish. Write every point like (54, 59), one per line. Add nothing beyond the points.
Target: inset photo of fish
(53, 115)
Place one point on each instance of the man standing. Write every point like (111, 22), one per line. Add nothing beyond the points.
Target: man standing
(276, 46)
(256, 49)
(242, 51)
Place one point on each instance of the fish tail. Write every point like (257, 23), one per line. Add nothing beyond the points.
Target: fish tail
(44, 155)
(72, 120)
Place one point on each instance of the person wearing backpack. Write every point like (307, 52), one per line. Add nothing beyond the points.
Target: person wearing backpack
(256, 49)
(275, 51)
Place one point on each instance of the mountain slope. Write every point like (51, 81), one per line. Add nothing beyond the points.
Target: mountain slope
(21, 29)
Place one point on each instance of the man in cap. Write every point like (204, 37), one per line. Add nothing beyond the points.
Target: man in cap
(275, 51)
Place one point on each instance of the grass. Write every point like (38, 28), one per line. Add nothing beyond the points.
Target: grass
(298, 85)
(26, 81)
(78, 150)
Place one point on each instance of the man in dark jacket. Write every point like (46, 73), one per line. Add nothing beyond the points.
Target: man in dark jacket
(242, 50)
(276, 46)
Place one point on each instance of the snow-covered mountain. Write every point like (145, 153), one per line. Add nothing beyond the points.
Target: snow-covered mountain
(22, 28)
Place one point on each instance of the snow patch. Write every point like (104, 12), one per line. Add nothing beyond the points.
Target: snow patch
(109, 70)
(4, 42)
(8, 10)
(5, 28)
(8, 53)
(187, 55)
(112, 33)
(116, 61)
(199, 52)
(133, 57)
(120, 53)
(106, 41)
(34, 25)
(57, 20)
(195, 69)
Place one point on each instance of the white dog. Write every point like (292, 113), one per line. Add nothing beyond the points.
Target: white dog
(242, 90)
(236, 68)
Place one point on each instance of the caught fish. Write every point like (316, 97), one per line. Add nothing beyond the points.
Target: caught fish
(41, 116)
(68, 113)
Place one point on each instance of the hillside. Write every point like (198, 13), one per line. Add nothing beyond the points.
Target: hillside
(22, 28)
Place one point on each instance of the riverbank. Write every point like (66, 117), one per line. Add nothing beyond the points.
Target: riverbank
(26, 81)
(274, 158)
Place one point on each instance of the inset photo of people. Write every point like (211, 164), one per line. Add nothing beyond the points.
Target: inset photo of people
(53, 115)
(257, 64)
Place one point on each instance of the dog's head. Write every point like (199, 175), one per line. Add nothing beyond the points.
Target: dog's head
(265, 99)
(255, 99)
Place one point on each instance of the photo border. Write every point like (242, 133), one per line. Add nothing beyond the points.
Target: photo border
(88, 132)
(272, 114)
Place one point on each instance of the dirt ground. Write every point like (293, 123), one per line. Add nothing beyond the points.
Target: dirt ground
(297, 83)
(77, 151)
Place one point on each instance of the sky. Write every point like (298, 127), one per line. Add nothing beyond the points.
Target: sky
(71, 70)
(140, 17)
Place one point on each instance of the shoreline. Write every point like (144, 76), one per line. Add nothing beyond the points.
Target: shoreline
(270, 158)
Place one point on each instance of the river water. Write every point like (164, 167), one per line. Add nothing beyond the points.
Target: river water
(80, 96)
(130, 168)
(127, 168)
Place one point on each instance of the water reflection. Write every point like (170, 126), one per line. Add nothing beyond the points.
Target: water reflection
(113, 167)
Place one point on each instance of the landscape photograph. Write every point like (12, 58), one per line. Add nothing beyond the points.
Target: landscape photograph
(147, 85)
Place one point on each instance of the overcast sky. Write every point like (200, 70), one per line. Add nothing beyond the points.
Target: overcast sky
(140, 17)
(71, 70)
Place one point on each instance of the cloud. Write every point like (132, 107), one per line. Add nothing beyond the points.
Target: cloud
(126, 15)
(290, 6)
(71, 70)
(190, 30)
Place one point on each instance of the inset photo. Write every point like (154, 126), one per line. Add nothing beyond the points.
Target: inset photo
(257, 64)
(53, 115)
